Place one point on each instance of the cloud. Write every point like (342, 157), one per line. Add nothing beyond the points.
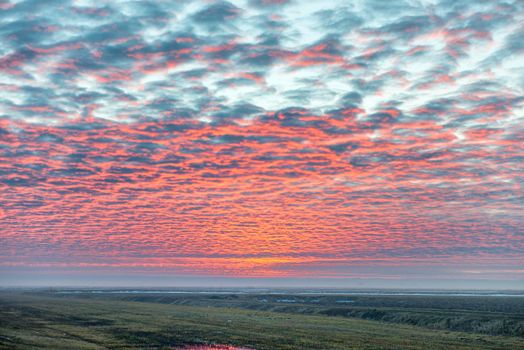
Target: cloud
(290, 136)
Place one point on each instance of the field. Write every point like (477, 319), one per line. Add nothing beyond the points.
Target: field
(53, 320)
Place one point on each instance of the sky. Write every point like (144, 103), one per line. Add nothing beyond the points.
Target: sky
(262, 142)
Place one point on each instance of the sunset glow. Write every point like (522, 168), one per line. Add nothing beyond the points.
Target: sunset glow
(263, 139)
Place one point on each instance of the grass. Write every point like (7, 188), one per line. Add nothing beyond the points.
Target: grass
(478, 314)
(46, 321)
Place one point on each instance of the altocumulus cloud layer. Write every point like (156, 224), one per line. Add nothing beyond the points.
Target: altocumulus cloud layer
(262, 138)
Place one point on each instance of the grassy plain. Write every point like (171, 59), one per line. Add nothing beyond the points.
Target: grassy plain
(272, 322)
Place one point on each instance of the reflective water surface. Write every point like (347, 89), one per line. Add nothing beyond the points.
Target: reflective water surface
(211, 347)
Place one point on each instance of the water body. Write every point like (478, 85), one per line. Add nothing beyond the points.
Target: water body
(210, 347)
(283, 292)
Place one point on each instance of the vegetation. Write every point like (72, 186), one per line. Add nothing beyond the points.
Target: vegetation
(118, 321)
(478, 314)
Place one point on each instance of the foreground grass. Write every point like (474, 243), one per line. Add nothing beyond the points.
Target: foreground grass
(46, 322)
(472, 314)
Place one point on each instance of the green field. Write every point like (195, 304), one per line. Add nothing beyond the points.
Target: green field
(48, 320)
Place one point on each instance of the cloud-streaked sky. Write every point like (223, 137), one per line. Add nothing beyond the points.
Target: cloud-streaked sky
(270, 138)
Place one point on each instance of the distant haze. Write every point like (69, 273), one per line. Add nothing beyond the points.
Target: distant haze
(141, 279)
